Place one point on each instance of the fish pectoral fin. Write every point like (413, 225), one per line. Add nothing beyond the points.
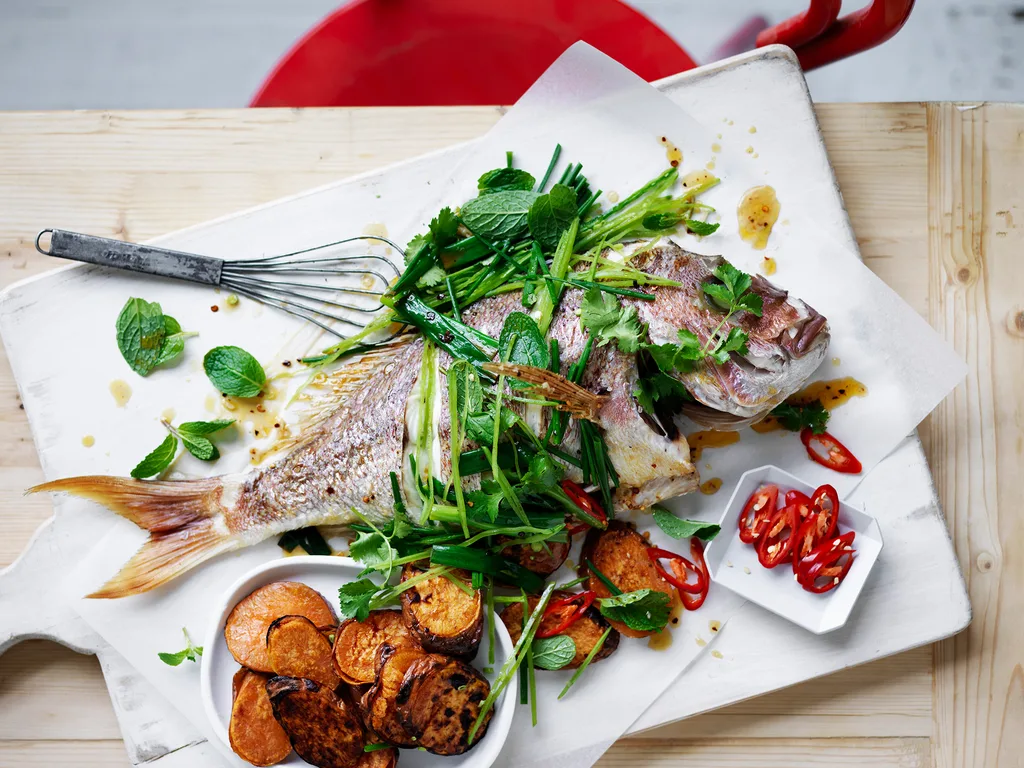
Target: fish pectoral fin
(181, 516)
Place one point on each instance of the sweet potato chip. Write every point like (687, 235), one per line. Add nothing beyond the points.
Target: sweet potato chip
(246, 628)
(356, 644)
(254, 733)
(296, 648)
(438, 702)
(324, 728)
(379, 705)
(442, 616)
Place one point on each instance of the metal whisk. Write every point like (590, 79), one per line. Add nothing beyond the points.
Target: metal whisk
(312, 283)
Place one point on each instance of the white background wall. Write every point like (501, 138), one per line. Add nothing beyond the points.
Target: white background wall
(61, 54)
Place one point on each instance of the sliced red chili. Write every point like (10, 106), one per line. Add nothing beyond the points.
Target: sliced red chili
(566, 617)
(829, 452)
(681, 581)
(805, 541)
(592, 514)
(825, 507)
(691, 601)
(803, 504)
(757, 512)
(827, 565)
(776, 546)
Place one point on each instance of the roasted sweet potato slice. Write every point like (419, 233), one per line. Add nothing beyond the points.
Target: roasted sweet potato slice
(620, 553)
(543, 559)
(379, 758)
(378, 704)
(439, 701)
(442, 616)
(585, 631)
(236, 682)
(246, 628)
(296, 648)
(356, 644)
(324, 729)
(254, 733)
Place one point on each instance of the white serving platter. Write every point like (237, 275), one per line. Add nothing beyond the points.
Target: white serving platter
(324, 574)
(917, 595)
(734, 565)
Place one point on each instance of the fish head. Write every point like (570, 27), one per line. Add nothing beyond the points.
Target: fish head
(784, 345)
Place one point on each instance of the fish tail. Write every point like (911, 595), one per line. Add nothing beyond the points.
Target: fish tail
(184, 520)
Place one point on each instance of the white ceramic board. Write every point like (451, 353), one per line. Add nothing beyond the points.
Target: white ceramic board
(915, 596)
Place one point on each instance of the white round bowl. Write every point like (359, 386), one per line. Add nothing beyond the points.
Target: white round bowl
(326, 575)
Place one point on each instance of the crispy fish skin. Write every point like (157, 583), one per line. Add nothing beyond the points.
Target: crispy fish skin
(786, 344)
(345, 458)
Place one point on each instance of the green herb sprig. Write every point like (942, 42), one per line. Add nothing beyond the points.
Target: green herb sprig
(190, 652)
(194, 435)
(234, 371)
(147, 337)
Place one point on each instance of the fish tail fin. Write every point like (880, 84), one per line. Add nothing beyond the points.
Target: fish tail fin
(184, 520)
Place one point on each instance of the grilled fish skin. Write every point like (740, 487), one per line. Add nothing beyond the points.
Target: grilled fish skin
(343, 459)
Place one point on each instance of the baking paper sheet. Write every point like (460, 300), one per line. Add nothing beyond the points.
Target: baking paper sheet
(611, 121)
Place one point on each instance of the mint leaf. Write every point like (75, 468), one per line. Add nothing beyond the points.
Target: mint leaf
(190, 652)
(551, 214)
(310, 539)
(158, 459)
(174, 340)
(354, 599)
(480, 426)
(685, 529)
(501, 179)
(499, 216)
(813, 416)
(521, 342)
(205, 427)
(643, 610)
(701, 228)
(553, 652)
(660, 221)
(234, 371)
(140, 334)
(199, 446)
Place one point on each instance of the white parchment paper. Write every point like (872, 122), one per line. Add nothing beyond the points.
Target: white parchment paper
(611, 121)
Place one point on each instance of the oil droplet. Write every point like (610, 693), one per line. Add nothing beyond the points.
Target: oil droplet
(831, 393)
(749, 150)
(768, 266)
(709, 439)
(716, 147)
(785, 222)
(711, 487)
(168, 414)
(718, 135)
(836, 361)
(757, 213)
(714, 626)
(121, 391)
(232, 300)
(211, 403)
(660, 641)
(746, 569)
(375, 229)
(752, 129)
(696, 179)
(755, 155)
(613, 197)
(88, 441)
(717, 654)
(711, 164)
(731, 123)
(701, 642)
(672, 152)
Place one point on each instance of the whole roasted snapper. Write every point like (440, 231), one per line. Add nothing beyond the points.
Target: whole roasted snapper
(344, 460)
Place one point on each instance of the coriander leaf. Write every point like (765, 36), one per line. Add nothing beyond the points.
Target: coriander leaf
(659, 387)
(643, 610)
(721, 295)
(604, 316)
(543, 474)
(444, 228)
(417, 244)
(735, 280)
(677, 357)
(310, 539)
(736, 341)
(371, 549)
(793, 417)
(701, 228)
(433, 276)
(551, 214)
(199, 446)
(486, 502)
(521, 342)
(354, 599)
(190, 652)
(553, 652)
(499, 216)
(140, 334)
(751, 302)
(158, 459)
(501, 179)
(234, 371)
(480, 426)
(205, 427)
(684, 529)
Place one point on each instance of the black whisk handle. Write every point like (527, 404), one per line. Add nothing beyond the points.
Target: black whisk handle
(131, 256)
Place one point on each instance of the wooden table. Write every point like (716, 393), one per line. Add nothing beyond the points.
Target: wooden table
(935, 195)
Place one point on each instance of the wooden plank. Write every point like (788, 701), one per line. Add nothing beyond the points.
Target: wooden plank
(768, 753)
(975, 440)
(81, 754)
